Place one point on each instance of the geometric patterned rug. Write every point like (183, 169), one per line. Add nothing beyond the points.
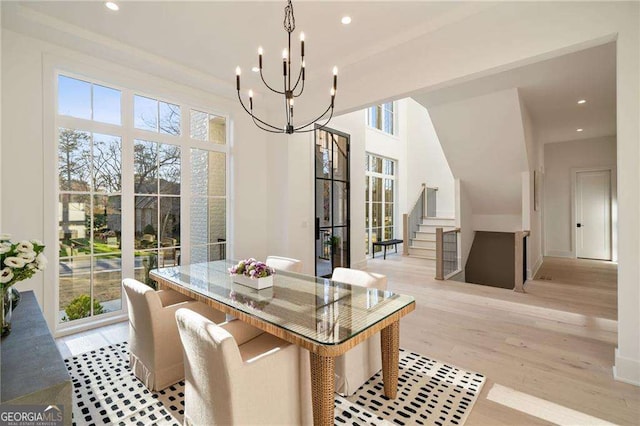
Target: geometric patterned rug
(429, 393)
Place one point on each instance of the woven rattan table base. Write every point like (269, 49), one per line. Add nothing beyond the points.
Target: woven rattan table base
(390, 344)
(322, 388)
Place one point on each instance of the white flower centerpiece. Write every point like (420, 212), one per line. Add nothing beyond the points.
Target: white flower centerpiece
(252, 273)
(18, 261)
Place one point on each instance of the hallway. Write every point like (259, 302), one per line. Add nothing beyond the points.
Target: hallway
(554, 344)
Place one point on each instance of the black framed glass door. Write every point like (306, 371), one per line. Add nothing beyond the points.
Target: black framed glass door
(332, 212)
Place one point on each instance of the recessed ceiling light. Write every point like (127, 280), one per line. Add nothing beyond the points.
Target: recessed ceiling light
(346, 20)
(579, 130)
(255, 69)
(112, 6)
(582, 101)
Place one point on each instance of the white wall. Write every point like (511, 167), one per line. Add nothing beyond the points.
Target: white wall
(1, 124)
(560, 158)
(483, 140)
(23, 138)
(531, 218)
(426, 161)
(465, 222)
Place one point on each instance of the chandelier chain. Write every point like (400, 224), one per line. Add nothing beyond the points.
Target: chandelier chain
(289, 19)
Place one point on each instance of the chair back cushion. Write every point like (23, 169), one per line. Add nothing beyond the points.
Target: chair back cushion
(211, 356)
(142, 301)
(360, 278)
(284, 263)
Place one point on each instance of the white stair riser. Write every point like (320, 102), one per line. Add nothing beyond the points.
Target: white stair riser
(423, 252)
(429, 236)
(431, 228)
(423, 244)
(439, 222)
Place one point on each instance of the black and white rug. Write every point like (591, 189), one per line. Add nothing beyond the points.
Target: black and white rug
(429, 393)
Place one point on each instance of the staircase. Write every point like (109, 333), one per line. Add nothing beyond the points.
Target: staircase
(422, 242)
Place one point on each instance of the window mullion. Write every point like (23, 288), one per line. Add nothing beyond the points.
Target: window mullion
(128, 197)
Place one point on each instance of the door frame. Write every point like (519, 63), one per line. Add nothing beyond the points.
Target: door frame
(315, 195)
(613, 214)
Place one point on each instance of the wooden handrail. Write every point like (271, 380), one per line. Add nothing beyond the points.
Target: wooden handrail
(451, 230)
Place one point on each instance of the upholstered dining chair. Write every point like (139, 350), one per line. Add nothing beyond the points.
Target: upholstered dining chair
(155, 353)
(361, 362)
(284, 263)
(237, 375)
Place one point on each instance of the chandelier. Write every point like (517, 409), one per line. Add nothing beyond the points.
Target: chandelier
(289, 91)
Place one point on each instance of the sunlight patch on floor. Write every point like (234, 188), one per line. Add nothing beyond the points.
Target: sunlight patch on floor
(541, 408)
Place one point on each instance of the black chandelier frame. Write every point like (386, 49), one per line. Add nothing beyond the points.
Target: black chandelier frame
(288, 90)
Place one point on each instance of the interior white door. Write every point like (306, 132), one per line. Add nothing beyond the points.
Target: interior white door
(593, 214)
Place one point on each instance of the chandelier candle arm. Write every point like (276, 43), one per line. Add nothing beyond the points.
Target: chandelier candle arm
(320, 126)
(289, 90)
(279, 130)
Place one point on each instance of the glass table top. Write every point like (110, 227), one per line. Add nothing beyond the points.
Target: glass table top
(324, 311)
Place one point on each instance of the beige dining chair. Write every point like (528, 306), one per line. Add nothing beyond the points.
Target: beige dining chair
(284, 263)
(361, 362)
(237, 375)
(155, 353)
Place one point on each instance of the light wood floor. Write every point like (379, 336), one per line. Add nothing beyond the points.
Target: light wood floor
(548, 352)
(553, 344)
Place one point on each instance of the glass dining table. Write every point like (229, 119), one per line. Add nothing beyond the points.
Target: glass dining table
(325, 317)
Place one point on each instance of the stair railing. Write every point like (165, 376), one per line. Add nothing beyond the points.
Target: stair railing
(448, 253)
(432, 199)
(411, 220)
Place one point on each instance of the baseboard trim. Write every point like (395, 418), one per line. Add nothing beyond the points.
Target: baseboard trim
(559, 253)
(79, 328)
(626, 370)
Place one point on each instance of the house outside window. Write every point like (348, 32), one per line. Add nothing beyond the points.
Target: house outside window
(125, 201)
(383, 117)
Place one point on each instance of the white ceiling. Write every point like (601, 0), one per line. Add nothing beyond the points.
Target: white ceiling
(213, 37)
(550, 90)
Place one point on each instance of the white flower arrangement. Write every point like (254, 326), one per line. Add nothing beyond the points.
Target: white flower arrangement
(19, 261)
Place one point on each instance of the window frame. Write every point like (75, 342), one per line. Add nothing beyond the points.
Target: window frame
(382, 109)
(52, 68)
(369, 175)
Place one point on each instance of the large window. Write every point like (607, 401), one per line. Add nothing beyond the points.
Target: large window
(90, 223)
(125, 203)
(379, 200)
(382, 117)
